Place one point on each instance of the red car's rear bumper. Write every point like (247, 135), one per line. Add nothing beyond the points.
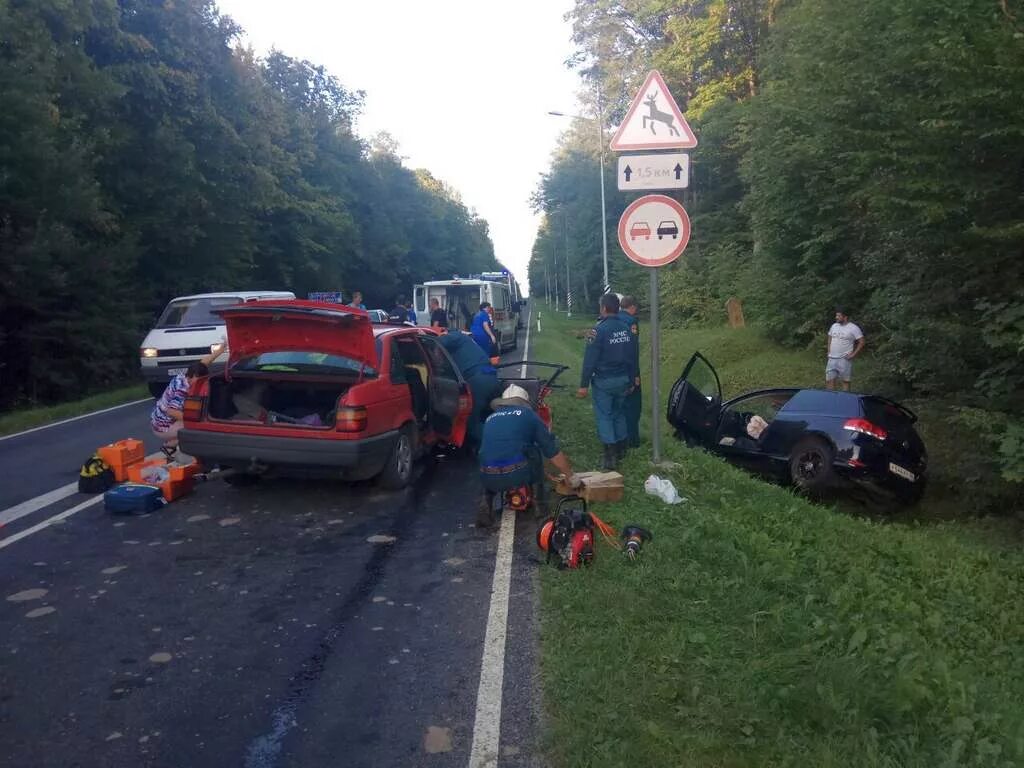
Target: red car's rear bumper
(365, 456)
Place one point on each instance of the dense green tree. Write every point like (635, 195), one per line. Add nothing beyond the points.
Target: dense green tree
(144, 155)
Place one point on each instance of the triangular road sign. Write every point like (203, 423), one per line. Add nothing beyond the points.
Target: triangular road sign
(654, 120)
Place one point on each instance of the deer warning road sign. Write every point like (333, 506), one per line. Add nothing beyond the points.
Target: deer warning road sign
(653, 120)
(654, 230)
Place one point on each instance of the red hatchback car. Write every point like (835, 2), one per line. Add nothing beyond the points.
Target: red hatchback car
(312, 388)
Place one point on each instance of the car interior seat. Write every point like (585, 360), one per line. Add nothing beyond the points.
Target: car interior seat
(416, 376)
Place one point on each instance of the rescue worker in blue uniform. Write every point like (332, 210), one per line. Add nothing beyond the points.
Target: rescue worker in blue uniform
(479, 374)
(515, 444)
(634, 400)
(483, 331)
(610, 368)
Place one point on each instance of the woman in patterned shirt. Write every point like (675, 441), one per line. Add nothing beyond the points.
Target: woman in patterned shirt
(167, 417)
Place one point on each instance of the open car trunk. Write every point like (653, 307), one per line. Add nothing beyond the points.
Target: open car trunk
(286, 403)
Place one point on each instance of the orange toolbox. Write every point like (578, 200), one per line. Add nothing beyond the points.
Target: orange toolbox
(178, 479)
(122, 456)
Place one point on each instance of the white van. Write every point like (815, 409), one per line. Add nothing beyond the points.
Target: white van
(461, 300)
(186, 331)
(507, 278)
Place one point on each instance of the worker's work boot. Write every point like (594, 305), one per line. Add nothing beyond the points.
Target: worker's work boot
(634, 442)
(611, 457)
(485, 513)
(620, 449)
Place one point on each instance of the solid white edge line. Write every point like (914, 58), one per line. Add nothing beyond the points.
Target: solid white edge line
(50, 521)
(487, 721)
(29, 506)
(526, 352)
(73, 418)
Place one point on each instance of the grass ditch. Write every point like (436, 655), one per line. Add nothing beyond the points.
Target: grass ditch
(20, 420)
(761, 630)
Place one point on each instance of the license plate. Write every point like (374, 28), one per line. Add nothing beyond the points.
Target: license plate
(899, 471)
(172, 372)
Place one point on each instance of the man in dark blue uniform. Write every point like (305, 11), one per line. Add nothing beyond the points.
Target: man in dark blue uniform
(610, 367)
(399, 314)
(634, 401)
(479, 374)
(482, 330)
(515, 444)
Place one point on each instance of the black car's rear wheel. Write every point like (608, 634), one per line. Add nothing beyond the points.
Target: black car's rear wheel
(810, 466)
(398, 469)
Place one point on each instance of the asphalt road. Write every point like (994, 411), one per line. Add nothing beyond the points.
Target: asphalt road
(292, 623)
(35, 463)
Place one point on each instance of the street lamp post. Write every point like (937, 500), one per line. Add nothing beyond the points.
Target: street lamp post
(554, 267)
(600, 146)
(568, 282)
(547, 283)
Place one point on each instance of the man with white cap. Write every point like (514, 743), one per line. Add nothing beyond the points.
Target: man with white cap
(514, 442)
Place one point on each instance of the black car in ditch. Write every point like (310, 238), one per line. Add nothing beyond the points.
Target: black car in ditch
(817, 439)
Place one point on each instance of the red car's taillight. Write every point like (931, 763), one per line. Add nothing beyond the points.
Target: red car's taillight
(193, 408)
(865, 427)
(350, 419)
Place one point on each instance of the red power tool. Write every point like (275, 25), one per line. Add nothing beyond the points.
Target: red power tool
(568, 537)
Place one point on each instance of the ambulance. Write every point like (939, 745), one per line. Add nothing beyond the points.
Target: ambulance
(461, 298)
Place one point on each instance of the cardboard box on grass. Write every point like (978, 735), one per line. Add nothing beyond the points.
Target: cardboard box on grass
(597, 486)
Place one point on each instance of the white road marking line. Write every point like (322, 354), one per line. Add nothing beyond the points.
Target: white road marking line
(50, 521)
(526, 351)
(487, 723)
(19, 511)
(34, 505)
(74, 418)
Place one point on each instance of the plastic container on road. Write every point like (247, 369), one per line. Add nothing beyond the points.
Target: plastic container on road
(173, 480)
(123, 455)
(132, 499)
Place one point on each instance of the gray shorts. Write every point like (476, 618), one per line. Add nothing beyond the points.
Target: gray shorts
(838, 368)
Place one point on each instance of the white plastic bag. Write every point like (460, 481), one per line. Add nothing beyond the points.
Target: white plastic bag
(663, 489)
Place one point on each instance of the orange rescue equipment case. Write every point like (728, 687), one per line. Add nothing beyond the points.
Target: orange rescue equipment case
(122, 456)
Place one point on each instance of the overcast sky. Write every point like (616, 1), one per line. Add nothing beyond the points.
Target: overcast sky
(463, 85)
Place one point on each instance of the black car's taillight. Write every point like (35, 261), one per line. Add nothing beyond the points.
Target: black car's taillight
(865, 427)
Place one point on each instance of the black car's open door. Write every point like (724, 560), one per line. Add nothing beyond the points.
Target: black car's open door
(695, 402)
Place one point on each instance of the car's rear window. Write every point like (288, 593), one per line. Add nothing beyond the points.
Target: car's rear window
(886, 414)
(825, 403)
(186, 312)
(318, 363)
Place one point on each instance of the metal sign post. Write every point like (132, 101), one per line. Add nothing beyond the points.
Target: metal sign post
(653, 232)
(654, 229)
(655, 370)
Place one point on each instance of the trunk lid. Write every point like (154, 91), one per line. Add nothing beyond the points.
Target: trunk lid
(898, 421)
(260, 327)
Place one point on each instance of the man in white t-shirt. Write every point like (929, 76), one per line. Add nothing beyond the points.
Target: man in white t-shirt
(845, 342)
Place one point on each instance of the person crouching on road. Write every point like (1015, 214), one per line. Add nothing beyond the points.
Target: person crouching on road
(610, 367)
(634, 400)
(515, 444)
(167, 416)
(479, 374)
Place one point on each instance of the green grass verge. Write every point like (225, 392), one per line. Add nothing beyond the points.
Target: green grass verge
(761, 630)
(16, 421)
